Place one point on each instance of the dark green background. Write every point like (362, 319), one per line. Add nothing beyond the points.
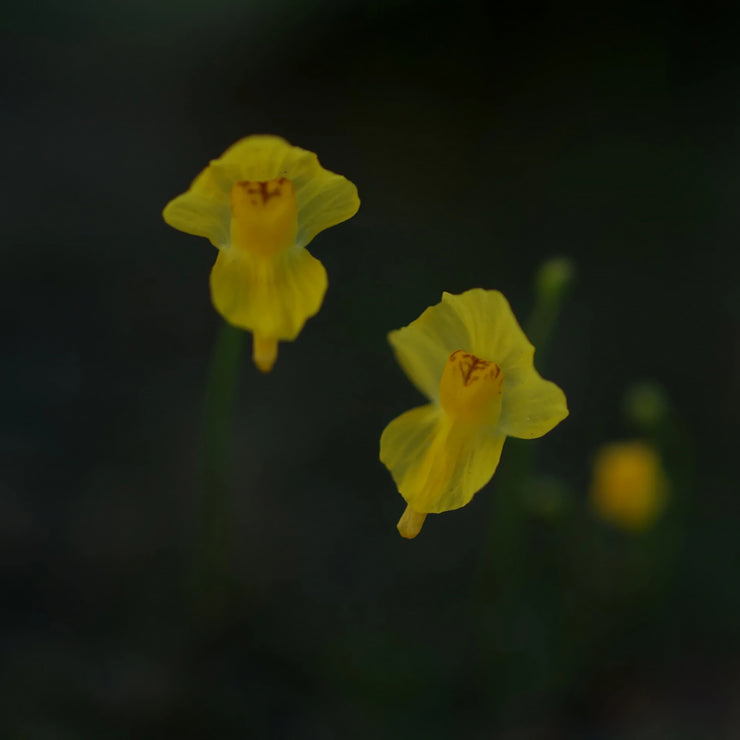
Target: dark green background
(482, 140)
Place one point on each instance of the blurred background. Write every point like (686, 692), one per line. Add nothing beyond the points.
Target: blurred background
(484, 140)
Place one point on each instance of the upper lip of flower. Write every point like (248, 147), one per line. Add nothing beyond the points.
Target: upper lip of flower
(324, 198)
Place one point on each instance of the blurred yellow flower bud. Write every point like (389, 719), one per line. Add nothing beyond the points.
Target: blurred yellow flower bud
(629, 486)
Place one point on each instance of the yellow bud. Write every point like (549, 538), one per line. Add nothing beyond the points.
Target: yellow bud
(629, 485)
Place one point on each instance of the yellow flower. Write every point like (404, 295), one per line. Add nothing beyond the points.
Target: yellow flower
(260, 203)
(469, 356)
(629, 486)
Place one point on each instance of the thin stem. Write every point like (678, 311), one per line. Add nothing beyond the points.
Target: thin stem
(213, 545)
(504, 562)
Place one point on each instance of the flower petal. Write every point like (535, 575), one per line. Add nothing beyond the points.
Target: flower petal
(271, 296)
(422, 347)
(324, 200)
(477, 321)
(493, 331)
(531, 405)
(204, 210)
(436, 465)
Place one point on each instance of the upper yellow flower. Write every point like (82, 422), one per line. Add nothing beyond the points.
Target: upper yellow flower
(629, 486)
(260, 203)
(469, 356)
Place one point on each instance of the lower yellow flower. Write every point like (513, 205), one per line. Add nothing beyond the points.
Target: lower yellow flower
(260, 203)
(629, 486)
(469, 356)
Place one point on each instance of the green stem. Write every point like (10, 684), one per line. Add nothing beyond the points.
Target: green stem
(213, 544)
(502, 558)
(504, 563)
